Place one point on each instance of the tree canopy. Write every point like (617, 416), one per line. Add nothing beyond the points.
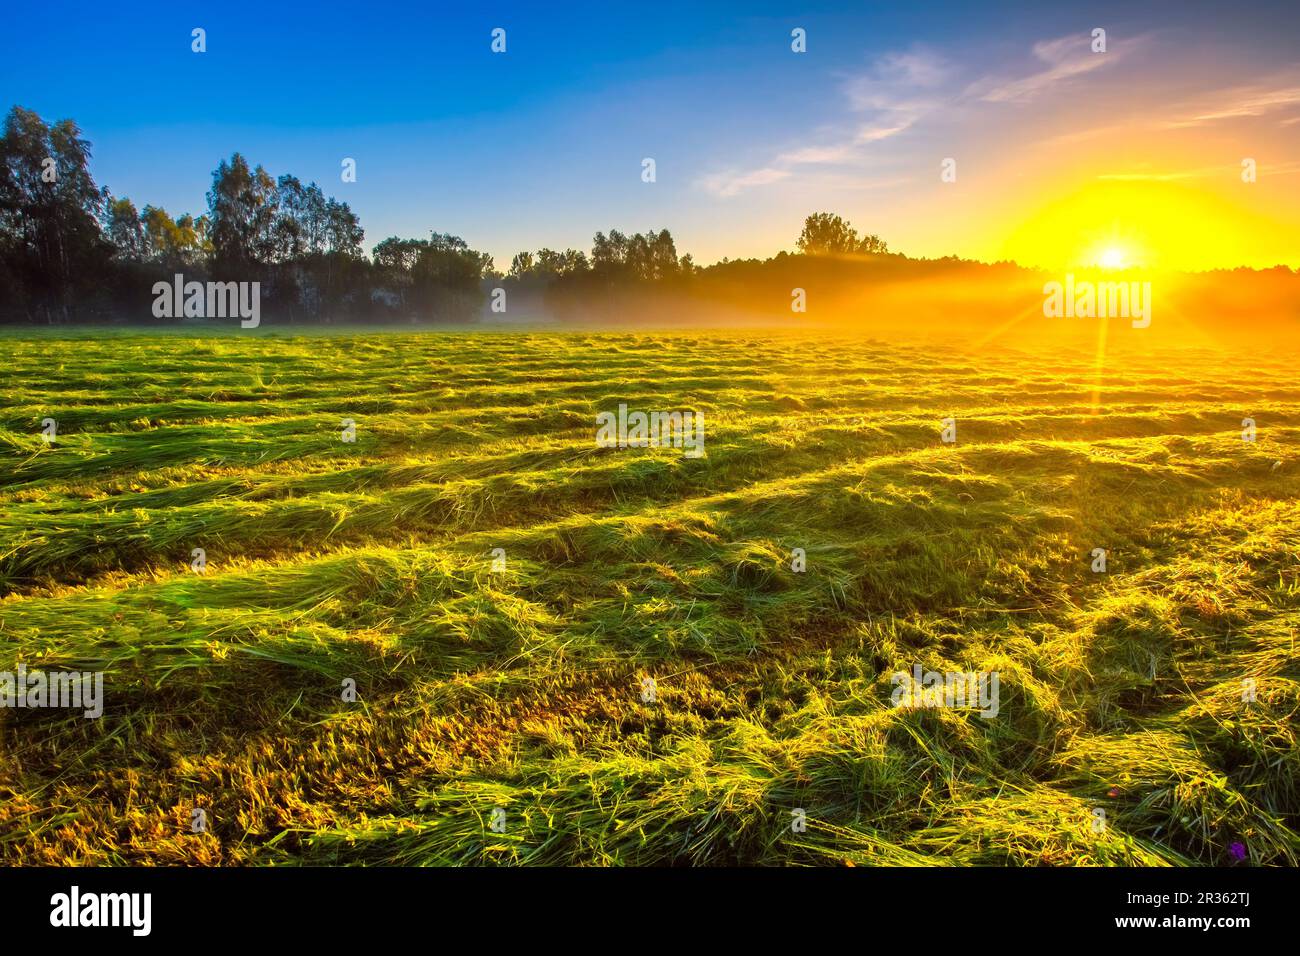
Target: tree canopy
(826, 234)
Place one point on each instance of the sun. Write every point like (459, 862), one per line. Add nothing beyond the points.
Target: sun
(1113, 257)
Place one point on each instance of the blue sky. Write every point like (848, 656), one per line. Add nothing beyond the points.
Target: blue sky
(543, 145)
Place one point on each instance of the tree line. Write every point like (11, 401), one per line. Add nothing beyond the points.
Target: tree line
(72, 251)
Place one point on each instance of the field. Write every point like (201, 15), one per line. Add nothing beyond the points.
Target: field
(647, 680)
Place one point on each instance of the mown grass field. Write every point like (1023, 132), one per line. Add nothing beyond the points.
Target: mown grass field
(522, 689)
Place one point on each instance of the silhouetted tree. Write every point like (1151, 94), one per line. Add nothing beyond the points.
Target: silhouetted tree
(827, 234)
(49, 212)
(243, 207)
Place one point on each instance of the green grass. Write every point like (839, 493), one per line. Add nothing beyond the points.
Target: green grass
(522, 689)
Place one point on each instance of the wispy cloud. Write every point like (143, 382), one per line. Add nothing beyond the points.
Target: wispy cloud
(897, 80)
(918, 67)
(906, 89)
(733, 183)
(1242, 102)
(1223, 170)
(896, 91)
(1065, 57)
(874, 134)
(816, 154)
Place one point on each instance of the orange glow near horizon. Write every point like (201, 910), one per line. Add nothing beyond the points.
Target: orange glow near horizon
(1149, 224)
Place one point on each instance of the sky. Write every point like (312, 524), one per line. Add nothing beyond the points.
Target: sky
(1062, 155)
